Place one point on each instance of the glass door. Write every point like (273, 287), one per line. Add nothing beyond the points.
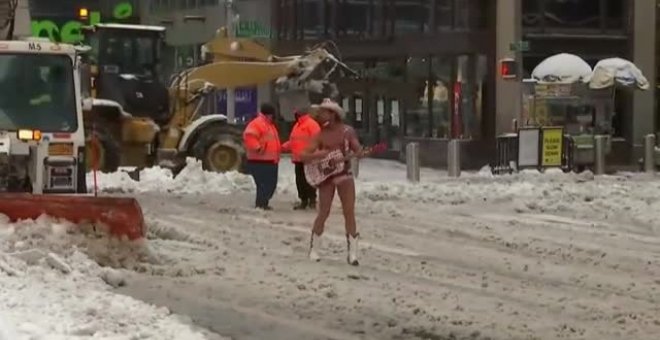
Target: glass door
(387, 116)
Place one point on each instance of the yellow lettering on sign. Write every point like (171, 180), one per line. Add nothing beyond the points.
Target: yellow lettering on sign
(551, 149)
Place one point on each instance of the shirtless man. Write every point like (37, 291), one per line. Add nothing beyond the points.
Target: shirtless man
(334, 135)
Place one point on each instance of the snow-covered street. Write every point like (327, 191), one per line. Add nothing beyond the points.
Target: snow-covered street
(529, 256)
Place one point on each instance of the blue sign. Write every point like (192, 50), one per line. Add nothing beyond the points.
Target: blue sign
(245, 100)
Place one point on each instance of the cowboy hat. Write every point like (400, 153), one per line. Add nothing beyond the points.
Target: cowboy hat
(329, 104)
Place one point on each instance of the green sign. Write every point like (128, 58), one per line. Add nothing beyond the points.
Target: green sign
(519, 46)
(71, 31)
(252, 29)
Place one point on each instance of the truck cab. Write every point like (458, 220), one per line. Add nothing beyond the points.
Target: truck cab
(124, 66)
(42, 141)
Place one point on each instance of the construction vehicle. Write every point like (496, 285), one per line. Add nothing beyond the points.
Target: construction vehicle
(42, 134)
(140, 122)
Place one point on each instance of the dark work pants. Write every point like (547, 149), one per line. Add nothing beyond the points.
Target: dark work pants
(265, 177)
(306, 192)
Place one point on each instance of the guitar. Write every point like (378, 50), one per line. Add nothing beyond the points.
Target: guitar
(334, 163)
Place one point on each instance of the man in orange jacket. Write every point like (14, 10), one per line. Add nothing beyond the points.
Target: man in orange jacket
(303, 131)
(262, 144)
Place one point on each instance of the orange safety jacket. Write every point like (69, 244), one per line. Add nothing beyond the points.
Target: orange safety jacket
(303, 131)
(262, 141)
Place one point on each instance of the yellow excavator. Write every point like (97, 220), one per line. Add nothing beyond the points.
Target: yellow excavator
(137, 120)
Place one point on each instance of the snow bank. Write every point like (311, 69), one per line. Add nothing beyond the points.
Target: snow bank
(382, 185)
(50, 289)
(562, 68)
(191, 180)
(617, 71)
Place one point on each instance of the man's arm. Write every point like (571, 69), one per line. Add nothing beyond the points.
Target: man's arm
(354, 143)
(286, 146)
(312, 151)
(251, 138)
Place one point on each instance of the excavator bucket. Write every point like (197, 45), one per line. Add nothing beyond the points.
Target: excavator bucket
(122, 216)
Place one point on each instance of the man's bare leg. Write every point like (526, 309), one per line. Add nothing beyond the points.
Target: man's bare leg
(326, 196)
(346, 191)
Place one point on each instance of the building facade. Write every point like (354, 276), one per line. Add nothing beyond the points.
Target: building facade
(429, 67)
(593, 30)
(60, 20)
(426, 68)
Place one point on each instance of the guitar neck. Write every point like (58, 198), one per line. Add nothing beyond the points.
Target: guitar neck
(365, 152)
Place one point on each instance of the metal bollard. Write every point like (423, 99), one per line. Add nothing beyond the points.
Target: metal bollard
(599, 154)
(355, 167)
(454, 158)
(649, 153)
(412, 162)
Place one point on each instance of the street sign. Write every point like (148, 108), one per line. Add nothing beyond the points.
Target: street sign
(252, 29)
(519, 46)
(245, 99)
(552, 147)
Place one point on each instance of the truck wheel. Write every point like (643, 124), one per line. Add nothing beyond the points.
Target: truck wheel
(102, 149)
(220, 149)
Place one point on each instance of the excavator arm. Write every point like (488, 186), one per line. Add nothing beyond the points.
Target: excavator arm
(233, 74)
(238, 62)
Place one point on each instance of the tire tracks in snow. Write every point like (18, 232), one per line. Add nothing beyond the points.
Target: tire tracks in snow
(440, 271)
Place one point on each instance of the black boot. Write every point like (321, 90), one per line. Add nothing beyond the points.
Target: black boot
(312, 204)
(263, 206)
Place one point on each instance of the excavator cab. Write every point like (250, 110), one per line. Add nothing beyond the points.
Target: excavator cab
(124, 66)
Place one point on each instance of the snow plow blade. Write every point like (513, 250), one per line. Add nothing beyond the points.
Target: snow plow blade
(122, 216)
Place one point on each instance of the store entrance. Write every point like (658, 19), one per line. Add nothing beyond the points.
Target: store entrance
(376, 112)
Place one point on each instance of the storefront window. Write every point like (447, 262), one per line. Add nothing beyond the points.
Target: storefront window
(531, 13)
(471, 14)
(468, 96)
(461, 15)
(575, 14)
(385, 70)
(481, 76)
(572, 13)
(358, 111)
(440, 96)
(286, 23)
(615, 14)
(411, 16)
(444, 15)
(355, 17)
(312, 19)
(417, 115)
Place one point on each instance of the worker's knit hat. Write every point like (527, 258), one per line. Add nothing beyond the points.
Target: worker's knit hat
(331, 105)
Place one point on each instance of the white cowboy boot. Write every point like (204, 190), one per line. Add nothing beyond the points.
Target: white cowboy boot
(314, 244)
(352, 243)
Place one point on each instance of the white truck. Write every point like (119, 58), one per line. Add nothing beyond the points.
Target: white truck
(42, 142)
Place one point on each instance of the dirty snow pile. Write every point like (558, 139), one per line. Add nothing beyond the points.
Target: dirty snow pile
(50, 289)
(382, 185)
(191, 180)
